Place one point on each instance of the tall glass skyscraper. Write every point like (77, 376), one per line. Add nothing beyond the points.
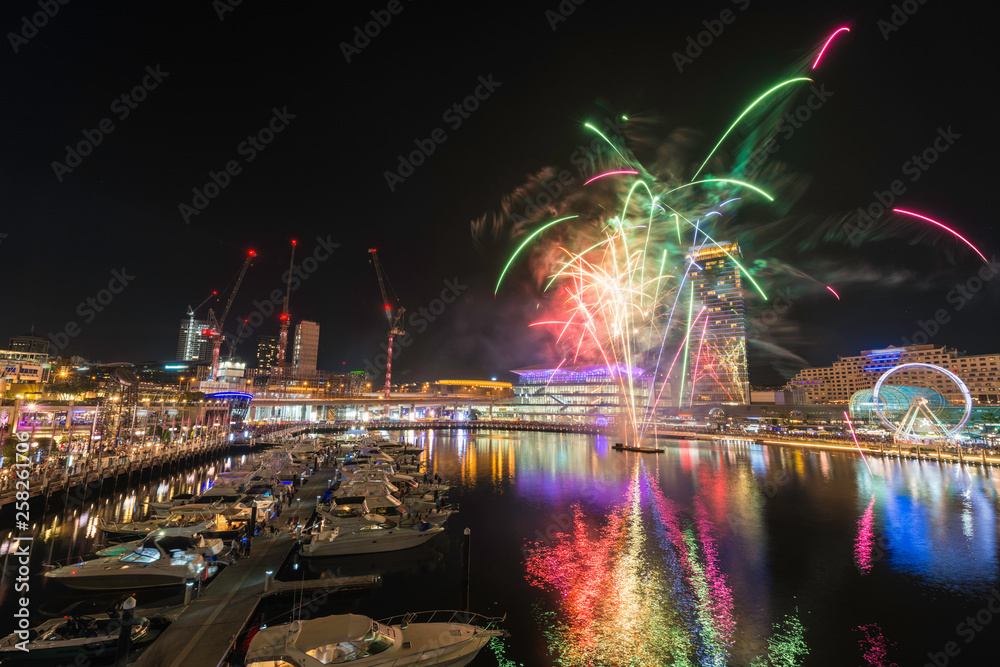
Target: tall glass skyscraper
(717, 347)
(192, 345)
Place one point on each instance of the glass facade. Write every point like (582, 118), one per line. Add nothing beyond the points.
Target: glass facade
(717, 355)
(191, 344)
(598, 395)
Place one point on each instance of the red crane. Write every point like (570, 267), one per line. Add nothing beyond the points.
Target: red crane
(283, 344)
(395, 323)
(214, 330)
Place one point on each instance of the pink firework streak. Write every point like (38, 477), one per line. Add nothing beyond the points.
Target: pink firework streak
(857, 444)
(830, 39)
(864, 543)
(834, 292)
(611, 173)
(945, 227)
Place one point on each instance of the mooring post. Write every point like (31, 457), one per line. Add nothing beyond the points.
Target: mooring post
(466, 567)
(125, 634)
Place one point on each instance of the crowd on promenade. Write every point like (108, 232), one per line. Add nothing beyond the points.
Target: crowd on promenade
(48, 468)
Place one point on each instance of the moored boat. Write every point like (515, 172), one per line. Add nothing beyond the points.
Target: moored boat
(376, 535)
(438, 639)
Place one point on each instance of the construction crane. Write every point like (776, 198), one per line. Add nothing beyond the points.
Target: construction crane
(192, 311)
(395, 323)
(283, 340)
(214, 330)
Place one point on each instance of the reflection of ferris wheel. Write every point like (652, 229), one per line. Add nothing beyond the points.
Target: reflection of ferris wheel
(924, 414)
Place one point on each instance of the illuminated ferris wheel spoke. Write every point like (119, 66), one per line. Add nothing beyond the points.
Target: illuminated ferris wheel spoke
(920, 421)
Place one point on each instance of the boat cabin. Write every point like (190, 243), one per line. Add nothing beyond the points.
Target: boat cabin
(331, 640)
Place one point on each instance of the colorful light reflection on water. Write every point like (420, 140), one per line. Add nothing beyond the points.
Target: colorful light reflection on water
(727, 554)
(642, 586)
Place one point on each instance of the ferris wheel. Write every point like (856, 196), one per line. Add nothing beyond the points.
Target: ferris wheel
(920, 414)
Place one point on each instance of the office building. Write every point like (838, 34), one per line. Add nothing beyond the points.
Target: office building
(717, 348)
(29, 342)
(267, 352)
(192, 345)
(306, 347)
(17, 366)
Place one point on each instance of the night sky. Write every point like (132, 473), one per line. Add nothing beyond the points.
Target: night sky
(209, 83)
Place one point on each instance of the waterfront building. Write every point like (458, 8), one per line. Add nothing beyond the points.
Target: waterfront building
(306, 348)
(18, 366)
(717, 354)
(585, 394)
(490, 388)
(192, 344)
(835, 384)
(29, 342)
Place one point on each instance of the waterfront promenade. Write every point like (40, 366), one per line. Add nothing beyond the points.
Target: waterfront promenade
(45, 480)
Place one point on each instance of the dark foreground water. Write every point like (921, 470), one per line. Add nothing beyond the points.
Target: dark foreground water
(707, 554)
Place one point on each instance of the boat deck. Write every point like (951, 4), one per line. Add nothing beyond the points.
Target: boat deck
(205, 630)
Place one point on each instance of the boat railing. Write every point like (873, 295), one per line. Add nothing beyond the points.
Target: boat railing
(445, 616)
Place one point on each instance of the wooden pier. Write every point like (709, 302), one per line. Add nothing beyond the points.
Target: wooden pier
(206, 630)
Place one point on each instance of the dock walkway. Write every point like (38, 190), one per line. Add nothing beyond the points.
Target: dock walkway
(205, 631)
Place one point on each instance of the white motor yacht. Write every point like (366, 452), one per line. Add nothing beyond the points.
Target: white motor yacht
(213, 546)
(70, 639)
(376, 535)
(389, 507)
(363, 488)
(438, 639)
(157, 561)
(166, 505)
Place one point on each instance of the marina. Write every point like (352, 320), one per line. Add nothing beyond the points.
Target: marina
(277, 584)
(223, 590)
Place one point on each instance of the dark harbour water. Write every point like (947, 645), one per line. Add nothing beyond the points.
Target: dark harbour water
(707, 554)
